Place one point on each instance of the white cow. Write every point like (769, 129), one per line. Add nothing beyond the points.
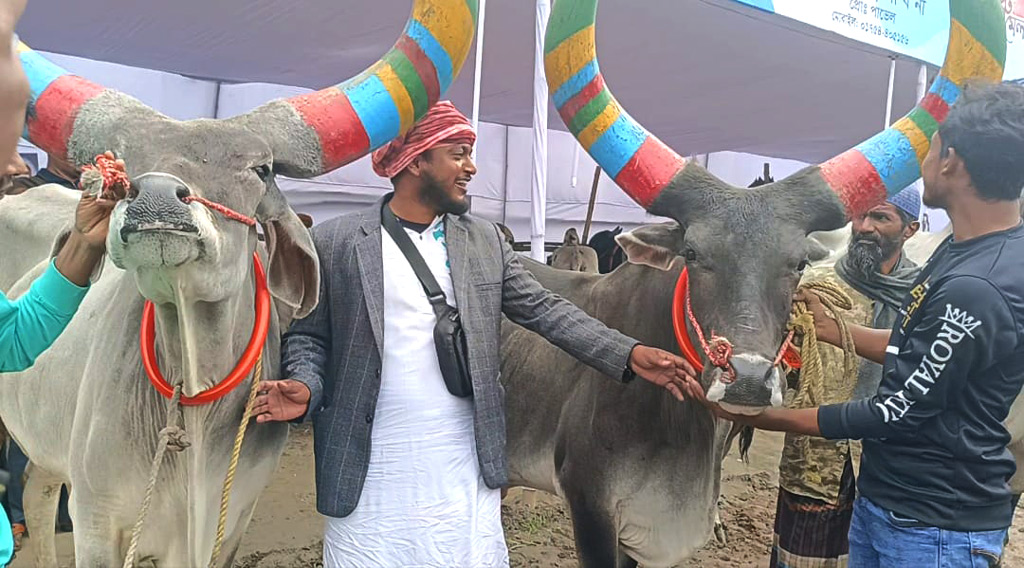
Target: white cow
(184, 239)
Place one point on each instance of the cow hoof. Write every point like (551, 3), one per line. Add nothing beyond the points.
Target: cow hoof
(721, 534)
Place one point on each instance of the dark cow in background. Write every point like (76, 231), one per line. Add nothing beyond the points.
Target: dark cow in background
(640, 471)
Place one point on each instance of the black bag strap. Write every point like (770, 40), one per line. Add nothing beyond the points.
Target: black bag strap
(434, 293)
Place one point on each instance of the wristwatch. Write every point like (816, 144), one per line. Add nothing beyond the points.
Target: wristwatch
(628, 374)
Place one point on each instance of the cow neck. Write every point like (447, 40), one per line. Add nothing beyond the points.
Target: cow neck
(203, 343)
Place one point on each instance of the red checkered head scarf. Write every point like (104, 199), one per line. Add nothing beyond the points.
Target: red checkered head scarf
(443, 124)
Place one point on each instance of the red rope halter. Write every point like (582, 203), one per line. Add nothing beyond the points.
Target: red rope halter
(719, 350)
(222, 209)
(147, 340)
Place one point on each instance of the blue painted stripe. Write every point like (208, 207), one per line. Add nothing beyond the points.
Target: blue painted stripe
(434, 50)
(618, 144)
(946, 89)
(892, 155)
(40, 72)
(575, 84)
(376, 110)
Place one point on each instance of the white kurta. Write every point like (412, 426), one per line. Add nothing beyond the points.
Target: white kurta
(424, 503)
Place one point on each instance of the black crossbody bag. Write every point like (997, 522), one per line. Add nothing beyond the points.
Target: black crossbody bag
(449, 336)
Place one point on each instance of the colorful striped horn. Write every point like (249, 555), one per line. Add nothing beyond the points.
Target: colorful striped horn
(638, 162)
(310, 134)
(885, 164)
(56, 100)
(318, 132)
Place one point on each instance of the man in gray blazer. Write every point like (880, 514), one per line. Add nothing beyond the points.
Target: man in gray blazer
(390, 441)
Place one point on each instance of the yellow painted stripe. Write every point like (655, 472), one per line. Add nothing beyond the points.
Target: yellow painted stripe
(22, 48)
(915, 135)
(600, 125)
(968, 58)
(406, 110)
(569, 57)
(451, 24)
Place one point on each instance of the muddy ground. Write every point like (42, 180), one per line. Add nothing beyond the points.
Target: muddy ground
(285, 532)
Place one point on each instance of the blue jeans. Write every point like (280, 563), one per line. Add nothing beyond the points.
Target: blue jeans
(880, 538)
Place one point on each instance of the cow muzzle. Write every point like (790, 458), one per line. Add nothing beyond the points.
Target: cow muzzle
(754, 385)
(159, 206)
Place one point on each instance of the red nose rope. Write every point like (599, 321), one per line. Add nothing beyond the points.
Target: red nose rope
(222, 209)
(719, 349)
(114, 176)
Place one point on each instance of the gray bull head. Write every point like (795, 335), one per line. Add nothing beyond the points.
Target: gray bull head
(745, 249)
(175, 246)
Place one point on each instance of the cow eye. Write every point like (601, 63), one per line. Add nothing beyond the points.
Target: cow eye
(263, 171)
(803, 265)
(691, 255)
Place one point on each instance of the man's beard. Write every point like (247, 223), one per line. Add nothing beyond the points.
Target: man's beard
(866, 255)
(436, 197)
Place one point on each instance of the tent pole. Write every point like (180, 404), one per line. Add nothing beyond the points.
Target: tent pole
(478, 71)
(539, 189)
(888, 97)
(590, 207)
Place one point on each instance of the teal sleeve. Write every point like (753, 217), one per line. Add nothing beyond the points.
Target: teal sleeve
(30, 324)
(6, 538)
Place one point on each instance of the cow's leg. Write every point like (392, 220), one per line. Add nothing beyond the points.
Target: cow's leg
(232, 541)
(97, 540)
(597, 541)
(42, 494)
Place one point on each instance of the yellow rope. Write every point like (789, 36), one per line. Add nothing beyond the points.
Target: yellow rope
(811, 391)
(229, 480)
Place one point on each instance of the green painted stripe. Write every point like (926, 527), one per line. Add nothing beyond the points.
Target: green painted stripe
(986, 22)
(590, 111)
(407, 74)
(924, 121)
(474, 9)
(567, 18)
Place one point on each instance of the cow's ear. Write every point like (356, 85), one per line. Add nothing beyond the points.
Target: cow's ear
(62, 238)
(293, 269)
(652, 245)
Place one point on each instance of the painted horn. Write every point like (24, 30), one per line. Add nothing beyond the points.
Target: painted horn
(57, 100)
(318, 132)
(313, 133)
(886, 163)
(639, 163)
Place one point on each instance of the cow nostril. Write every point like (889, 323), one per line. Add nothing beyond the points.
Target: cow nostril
(182, 192)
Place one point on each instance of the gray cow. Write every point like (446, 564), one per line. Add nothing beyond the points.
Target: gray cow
(85, 413)
(641, 472)
(574, 256)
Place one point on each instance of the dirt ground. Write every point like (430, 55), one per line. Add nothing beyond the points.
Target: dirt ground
(285, 532)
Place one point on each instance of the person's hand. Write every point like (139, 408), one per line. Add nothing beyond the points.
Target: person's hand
(666, 370)
(92, 217)
(280, 401)
(825, 328)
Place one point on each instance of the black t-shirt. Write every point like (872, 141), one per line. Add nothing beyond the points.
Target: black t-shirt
(934, 440)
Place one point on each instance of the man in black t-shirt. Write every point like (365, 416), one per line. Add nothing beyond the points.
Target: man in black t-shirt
(933, 481)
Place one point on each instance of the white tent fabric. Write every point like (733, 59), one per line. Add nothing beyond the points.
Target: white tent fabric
(539, 179)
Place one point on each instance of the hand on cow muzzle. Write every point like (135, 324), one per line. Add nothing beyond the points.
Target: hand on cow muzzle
(666, 370)
(92, 217)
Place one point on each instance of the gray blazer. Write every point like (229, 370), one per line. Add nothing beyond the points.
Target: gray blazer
(336, 350)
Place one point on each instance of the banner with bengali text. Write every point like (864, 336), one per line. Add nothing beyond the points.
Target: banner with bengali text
(915, 28)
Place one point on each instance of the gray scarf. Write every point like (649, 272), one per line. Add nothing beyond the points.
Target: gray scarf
(887, 291)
